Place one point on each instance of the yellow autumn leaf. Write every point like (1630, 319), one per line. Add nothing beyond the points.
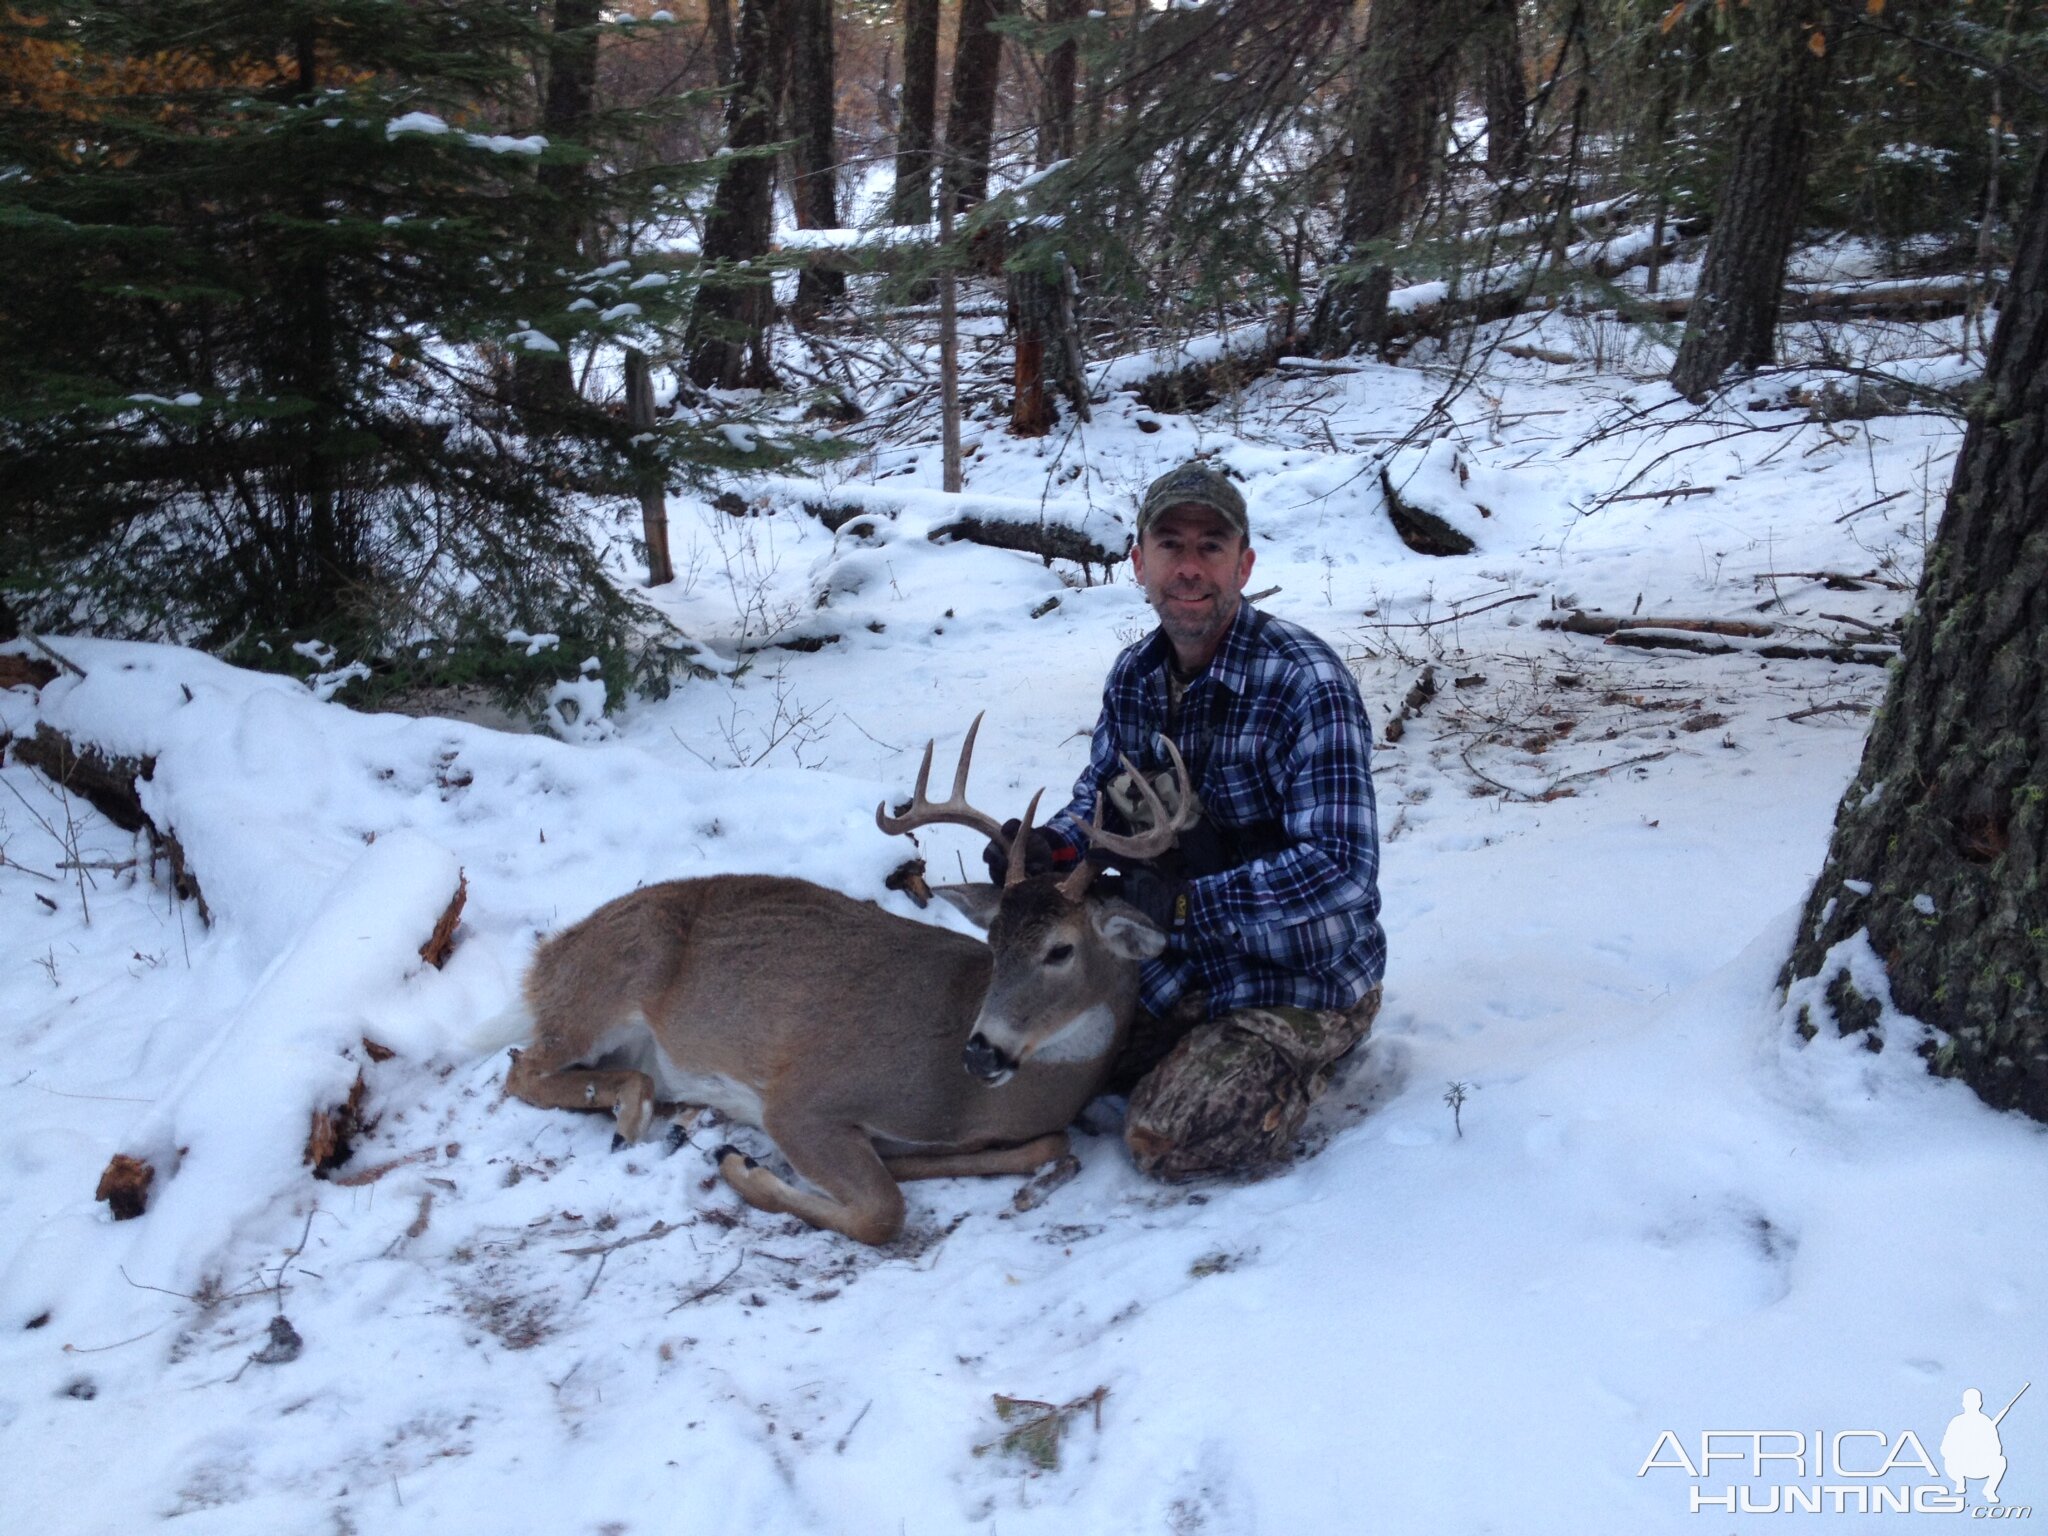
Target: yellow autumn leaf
(1671, 17)
(1817, 43)
(1873, 7)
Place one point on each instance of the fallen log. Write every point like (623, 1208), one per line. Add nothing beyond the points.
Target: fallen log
(1422, 530)
(1049, 541)
(1579, 622)
(124, 1186)
(107, 782)
(1776, 650)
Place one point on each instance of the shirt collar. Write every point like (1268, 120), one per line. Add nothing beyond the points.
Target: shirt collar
(1230, 668)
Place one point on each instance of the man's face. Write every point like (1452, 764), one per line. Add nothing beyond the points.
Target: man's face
(1193, 566)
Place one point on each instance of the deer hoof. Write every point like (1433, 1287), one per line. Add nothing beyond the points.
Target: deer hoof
(676, 1139)
(619, 1142)
(729, 1150)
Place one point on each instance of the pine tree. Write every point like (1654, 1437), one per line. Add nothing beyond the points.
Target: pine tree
(1734, 317)
(1940, 847)
(267, 265)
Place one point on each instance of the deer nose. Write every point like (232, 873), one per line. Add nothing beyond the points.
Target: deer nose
(986, 1061)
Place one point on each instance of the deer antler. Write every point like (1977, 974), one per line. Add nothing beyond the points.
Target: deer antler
(954, 809)
(1166, 827)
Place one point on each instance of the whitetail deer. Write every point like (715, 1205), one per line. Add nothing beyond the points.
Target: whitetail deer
(869, 1047)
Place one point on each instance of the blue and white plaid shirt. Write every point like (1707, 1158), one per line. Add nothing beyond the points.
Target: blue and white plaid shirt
(1274, 732)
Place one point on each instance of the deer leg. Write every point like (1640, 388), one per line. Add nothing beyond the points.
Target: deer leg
(629, 1095)
(1027, 1157)
(855, 1194)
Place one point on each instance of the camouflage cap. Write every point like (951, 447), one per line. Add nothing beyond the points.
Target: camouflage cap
(1194, 484)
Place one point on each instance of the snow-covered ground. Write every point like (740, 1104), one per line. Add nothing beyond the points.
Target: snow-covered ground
(1656, 1213)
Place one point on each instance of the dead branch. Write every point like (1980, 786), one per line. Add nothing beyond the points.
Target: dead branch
(1452, 618)
(441, 942)
(1843, 706)
(1839, 581)
(1579, 622)
(714, 1286)
(1676, 490)
(377, 1171)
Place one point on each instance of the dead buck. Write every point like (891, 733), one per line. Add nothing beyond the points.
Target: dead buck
(869, 1047)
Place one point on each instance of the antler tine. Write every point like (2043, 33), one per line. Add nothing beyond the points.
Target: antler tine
(953, 810)
(1165, 829)
(1017, 873)
(1075, 886)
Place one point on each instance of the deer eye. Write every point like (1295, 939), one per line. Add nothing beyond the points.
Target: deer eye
(1059, 954)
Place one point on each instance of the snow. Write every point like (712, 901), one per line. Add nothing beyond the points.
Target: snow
(1656, 1208)
(415, 122)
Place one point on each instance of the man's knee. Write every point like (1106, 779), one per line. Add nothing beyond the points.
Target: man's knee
(1233, 1094)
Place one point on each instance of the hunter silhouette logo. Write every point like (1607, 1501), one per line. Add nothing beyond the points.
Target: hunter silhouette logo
(1849, 1471)
(1970, 1447)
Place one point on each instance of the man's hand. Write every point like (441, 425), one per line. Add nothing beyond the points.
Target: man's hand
(1037, 852)
(1159, 898)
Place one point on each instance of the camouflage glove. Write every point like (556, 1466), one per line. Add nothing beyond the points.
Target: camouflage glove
(1038, 855)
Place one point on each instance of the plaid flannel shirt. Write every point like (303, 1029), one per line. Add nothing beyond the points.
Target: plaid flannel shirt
(1274, 732)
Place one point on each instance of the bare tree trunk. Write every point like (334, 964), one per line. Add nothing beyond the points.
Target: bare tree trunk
(1062, 74)
(718, 18)
(911, 202)
(1398, 90)
(949, 357)
(653, 483)
(1734, 317)
(971, 110)
(812, 85)
(543, 380)
(727, 341)
(1940, 848)
(1505, 90)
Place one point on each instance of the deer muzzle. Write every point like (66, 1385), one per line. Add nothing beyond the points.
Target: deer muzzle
(987, 1061)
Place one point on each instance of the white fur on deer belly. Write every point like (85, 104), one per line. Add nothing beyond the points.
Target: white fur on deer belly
(1087, 1036)
(735, 1100)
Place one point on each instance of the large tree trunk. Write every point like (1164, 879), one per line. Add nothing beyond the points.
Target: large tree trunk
(1734, 318)
(1396, 99)
(1056, 96)
(815, 195)
(1944, 832)
(971, 110)
(727, 341)
(544, 380)
(911, 202)
(718, 20)
(1503, 88)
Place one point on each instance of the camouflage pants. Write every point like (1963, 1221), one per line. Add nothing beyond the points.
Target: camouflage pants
(1229, 1095)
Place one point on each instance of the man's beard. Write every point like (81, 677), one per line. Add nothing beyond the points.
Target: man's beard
(1192, 626)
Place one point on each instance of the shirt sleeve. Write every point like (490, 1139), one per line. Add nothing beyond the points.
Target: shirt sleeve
(1327, 810)
(1063, 829)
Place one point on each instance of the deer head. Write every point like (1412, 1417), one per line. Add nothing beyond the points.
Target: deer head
(1065, 957)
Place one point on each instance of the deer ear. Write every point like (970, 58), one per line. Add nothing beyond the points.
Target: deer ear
(978, 901)
(1129, 933)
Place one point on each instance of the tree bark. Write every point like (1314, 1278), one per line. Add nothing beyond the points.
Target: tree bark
(1056, 95)
(544, 380)
(1945, 828)
(727, 341)
(1734, 317)
(911, 202)
(718, 19)
(1505, 91)
(815, 194)
(1396, 99)
(971, 110)
(652, 482)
